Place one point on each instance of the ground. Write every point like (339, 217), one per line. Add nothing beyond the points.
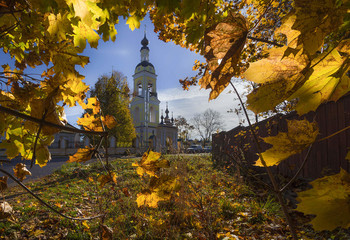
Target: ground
(209, 203)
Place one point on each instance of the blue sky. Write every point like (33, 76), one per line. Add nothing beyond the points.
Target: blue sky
(171, 63)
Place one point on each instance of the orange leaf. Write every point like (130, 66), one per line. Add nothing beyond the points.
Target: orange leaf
(224, 42)
(109, 121)
(82, 155)
(21, 171)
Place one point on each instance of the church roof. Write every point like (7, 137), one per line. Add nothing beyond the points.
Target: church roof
(144, 64)
(144, 41)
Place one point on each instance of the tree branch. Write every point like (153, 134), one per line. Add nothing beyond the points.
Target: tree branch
(332, 135)
(299, 170)
(247, 172)
(266, 41)
(39, 121)
(269, 172)
(43, 202)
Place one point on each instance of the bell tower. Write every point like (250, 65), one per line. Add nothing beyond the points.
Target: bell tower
(144, 106)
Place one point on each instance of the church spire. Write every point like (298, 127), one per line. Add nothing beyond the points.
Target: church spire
(144, 49)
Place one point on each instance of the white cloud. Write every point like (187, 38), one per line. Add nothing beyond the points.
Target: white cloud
(194, 101)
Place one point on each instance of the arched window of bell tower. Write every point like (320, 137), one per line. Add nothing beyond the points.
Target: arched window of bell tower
(139, 89)
(150, 87)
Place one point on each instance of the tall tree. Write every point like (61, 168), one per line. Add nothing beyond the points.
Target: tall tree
(207, 123)
(112, 91)
(184, 128)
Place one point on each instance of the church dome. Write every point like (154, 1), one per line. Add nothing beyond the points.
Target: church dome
(144, 65)
(144, 41)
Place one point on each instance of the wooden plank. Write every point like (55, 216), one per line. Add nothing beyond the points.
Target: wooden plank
(347, 123)
(321, 147)
(341, 136)
(333, 143)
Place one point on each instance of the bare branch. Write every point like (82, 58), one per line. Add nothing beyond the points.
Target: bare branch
(43, 202)
(299, 170)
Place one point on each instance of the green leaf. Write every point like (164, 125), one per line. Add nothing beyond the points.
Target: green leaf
(12, 149)
(43, 155)
(329, 200)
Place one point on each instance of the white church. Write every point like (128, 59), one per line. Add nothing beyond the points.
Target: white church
(144, 107)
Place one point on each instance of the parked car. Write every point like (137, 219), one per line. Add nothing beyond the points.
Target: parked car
(207, 149)
(194, 149)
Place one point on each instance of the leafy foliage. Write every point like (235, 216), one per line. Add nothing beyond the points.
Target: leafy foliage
(294, 51)
(112, 91)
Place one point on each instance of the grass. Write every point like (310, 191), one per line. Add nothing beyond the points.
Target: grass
(209, 204)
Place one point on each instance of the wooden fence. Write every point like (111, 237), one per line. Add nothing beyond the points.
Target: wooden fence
(326, 157)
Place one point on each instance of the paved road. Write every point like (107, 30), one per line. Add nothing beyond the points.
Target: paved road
(37, 171)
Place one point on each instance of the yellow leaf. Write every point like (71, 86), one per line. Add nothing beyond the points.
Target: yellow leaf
(75, 90)
(82, 155)
(20, 171)
(104, 179)
(150, 163)
(90, 122)
(148, 198)
(329, 200)
(86, 225)
(279, 76)
(348, 156)
(303, 26)
(160, 189)
(59, 26)
(83, 32)
(12, 149)
(301, 133)
(327, 80)
(38, 232)
(133, 22)
(93, 104)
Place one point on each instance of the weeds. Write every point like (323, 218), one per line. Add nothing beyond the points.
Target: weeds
(208, 205)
